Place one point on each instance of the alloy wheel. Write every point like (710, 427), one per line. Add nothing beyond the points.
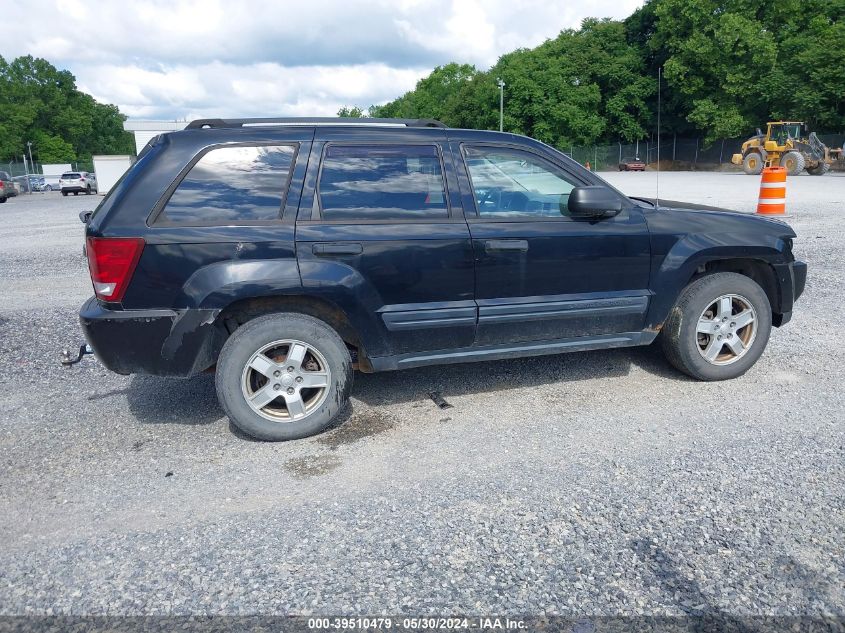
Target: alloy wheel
(286, 380)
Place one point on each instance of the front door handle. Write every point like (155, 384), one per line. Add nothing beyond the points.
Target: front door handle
(506, 245)
(345, 248)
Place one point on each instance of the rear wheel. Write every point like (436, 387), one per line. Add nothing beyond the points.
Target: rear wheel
(752, 164)
(88, 190)
(793, 162)
(718, 328)
(283, 376)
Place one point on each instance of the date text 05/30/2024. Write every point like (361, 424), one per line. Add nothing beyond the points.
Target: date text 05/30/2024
(416, 624)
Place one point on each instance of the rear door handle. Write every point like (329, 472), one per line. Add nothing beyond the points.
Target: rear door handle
(506, 245)
(346, 248)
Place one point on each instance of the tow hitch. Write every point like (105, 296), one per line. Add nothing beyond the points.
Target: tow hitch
(67, 360)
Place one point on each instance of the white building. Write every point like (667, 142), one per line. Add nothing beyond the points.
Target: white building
(145, 130)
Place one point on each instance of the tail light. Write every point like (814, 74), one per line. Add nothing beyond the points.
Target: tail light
(111, 262)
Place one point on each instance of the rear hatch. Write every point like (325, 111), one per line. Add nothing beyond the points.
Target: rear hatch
(72, 179)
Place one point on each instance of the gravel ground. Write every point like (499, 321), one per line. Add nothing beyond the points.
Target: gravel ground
(600, 483)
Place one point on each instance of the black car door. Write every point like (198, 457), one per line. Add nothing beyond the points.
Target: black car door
(540, 274)
(383, 224)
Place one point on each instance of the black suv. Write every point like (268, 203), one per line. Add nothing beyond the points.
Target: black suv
(285, 253)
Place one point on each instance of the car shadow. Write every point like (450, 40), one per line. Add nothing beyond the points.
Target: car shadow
(193, 402)
(157, 400)
(491, 376)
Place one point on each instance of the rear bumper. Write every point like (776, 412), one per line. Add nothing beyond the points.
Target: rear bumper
(158, 342)
(72, 188)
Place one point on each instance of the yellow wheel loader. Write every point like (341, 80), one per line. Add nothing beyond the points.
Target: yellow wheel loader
(783, 144)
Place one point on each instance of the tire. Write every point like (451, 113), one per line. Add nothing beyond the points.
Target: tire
(64, 193)
(752, 164)
(819, 170)
(88, 190)
(268, 341)
(76, 193)
(48, 188)
(2, 200)
(699, 308)
(793, 162)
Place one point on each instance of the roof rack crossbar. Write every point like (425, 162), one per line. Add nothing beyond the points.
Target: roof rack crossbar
(236, 123)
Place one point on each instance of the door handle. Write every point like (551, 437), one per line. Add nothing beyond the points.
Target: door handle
(506, 245)
(347, 248)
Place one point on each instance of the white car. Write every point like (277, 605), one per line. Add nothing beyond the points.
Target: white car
(76, 182)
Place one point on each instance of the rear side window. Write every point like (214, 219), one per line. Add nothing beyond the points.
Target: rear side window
(232, 185)
(382, 182)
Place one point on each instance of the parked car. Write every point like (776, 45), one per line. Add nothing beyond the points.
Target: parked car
(77, 182)
(631, 164)
(8, 188)
(288, 254)
(37, 183)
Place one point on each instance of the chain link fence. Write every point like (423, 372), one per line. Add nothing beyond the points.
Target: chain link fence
(674, 153)
(19, 170)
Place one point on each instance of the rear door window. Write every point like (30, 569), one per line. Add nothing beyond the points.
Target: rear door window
(232, 185)
(382, 182)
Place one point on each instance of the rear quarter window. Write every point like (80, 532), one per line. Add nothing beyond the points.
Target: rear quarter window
(232, 185)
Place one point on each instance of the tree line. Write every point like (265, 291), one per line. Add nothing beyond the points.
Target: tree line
(728, 66)
(42, 105)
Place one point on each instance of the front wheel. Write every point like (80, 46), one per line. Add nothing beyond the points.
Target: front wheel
(793, 162)
(283, 376)
(718, 328)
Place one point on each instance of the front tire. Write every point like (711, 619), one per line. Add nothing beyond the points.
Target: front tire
(819, 170)
(64, 193)
(283, 376)
(718, 328)
(793, 162)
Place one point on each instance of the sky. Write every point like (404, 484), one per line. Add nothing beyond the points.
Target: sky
(187, 59)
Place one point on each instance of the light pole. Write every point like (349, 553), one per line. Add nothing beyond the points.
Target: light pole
(501, 85)
(29, 147)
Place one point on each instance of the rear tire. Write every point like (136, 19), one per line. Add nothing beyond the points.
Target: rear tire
(752, 164)
(88, 190)
(718, 328)
(793, 162)
(281, 354)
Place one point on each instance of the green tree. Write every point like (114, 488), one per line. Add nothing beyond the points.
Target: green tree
(353, 112)
(40, 103)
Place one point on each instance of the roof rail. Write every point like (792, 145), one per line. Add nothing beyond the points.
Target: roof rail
(236, 123)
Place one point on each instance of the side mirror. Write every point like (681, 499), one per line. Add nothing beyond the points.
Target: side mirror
(592, 202)
(85, 216)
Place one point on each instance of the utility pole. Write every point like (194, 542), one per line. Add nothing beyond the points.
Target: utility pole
(501, 85)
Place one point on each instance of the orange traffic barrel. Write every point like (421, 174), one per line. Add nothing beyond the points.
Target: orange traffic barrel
(772, 199)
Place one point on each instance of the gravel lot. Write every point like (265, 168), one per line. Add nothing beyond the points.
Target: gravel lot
(599, 483)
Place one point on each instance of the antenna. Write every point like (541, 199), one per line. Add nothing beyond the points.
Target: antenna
(657, 180)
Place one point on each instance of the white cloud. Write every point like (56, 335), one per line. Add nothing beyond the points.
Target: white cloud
(183, 58)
